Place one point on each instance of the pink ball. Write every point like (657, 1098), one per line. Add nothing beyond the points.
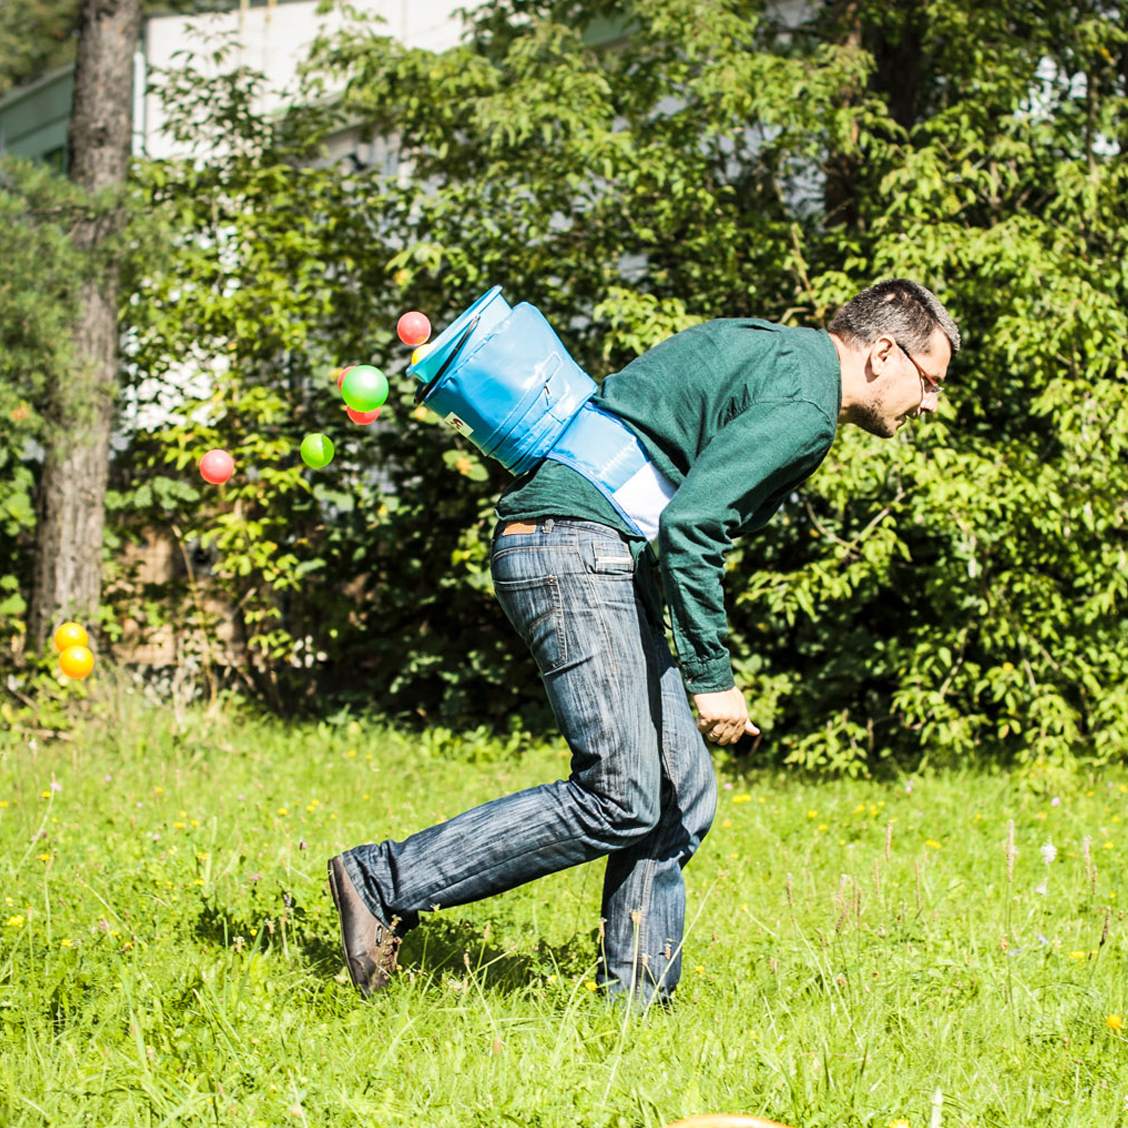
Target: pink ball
(216, 467)
(413, 328)
(362, 417)
(344, 373)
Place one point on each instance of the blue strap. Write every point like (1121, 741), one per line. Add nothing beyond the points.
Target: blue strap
(607, 452)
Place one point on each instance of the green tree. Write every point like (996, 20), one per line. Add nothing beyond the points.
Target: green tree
(38, 35)
(37, 305)
(956, 589)
(35, 36)
(79, 407)
(632, 168)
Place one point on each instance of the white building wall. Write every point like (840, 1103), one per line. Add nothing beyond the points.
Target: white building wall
(275, 40)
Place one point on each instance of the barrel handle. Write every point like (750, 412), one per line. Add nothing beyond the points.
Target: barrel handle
(423, 389)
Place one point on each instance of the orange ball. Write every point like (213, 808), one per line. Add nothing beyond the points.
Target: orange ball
(70, 634)
(362, 417)
(413, 328)
(76, 662)
(216, 467)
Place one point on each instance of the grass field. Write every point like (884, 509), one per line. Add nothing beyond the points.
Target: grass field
(861, 953)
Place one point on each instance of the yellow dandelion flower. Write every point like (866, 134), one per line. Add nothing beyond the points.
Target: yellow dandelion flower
(159, 790)
(283, 811)
(900, 1122)
(742, 798)
(15, 922)
(932, 842)
(812, 814)
(1077, 955)
(1108, 846)
(178, 826)
(202, 855)
(199, 881)
(351, 752)
(726, 824)
(43, 857)
(551, 979)
(700, 969)
(823, 826)
(3, 802)
(591, 985)
(45, 794)
(66, 943)
(1115, 1022)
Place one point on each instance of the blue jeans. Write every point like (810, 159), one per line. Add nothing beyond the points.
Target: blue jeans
(641, 788)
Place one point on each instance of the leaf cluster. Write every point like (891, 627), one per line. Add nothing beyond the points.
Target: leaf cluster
(633, 169)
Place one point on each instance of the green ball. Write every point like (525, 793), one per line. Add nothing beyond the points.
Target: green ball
(317, 451)
(365, 388)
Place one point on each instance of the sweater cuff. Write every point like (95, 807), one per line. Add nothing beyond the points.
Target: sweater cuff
(713, 675)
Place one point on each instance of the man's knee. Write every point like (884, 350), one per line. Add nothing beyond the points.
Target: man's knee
(620, 820)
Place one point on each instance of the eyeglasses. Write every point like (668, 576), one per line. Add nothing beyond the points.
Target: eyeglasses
(931, 386)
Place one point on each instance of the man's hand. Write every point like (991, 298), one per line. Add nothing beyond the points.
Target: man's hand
(723, 717)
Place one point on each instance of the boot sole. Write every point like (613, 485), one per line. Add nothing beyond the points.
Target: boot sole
(341, 925)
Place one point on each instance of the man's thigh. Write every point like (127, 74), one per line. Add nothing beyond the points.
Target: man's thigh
(570, 594)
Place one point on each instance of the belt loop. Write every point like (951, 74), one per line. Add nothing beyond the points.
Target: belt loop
(548, 523)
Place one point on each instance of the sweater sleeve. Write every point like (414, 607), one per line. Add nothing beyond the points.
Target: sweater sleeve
(735, 484)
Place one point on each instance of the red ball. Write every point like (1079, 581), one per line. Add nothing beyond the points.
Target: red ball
(362, 417)
(216, 467)
(413, 328)
(344, 373)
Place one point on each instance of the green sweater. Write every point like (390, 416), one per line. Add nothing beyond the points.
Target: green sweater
(736, 413)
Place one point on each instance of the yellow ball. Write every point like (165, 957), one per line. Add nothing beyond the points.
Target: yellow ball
(421, 352)
(70, 634)
(76, 662)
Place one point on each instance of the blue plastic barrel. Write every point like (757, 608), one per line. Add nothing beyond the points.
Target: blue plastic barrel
(502, 378)
(483, 315)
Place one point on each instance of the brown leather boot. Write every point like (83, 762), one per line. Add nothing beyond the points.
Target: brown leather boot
(370, 944)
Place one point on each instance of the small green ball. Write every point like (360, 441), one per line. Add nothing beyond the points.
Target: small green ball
(365, 388)
(317, 451)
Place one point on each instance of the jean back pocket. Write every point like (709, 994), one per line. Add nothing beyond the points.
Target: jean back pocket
(536, 610)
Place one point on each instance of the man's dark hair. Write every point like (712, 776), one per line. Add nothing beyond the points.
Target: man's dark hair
(898, 308)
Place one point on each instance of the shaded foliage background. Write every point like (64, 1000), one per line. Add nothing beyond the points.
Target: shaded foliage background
(632, 169)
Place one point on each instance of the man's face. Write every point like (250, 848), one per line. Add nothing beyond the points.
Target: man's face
(902, 385)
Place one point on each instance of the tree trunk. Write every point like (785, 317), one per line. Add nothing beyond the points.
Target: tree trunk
(72, 495)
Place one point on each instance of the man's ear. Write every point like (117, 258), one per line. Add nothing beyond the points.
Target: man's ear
(880, 356)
